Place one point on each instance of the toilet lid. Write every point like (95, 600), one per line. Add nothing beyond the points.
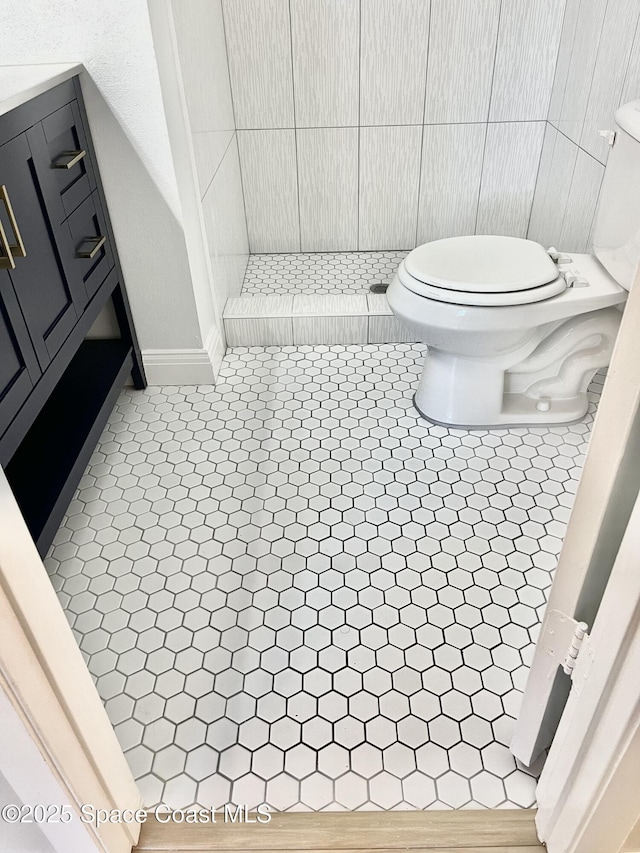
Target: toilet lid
(482, 264)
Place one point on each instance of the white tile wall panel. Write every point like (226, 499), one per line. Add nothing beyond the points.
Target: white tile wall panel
(270, 180)
(389, 180)
(526, 58)
(395, 41)
(330, 306)
(328, 187)
(326, 47)
(450, 180)
(569, 27)
(225, 224)
(259, 46)
(199, 28)
(555, 175)
(581, 67)
(462, 45)
(581, 204)
(259, 306)
(631, 87)
(388, 330)
(620, 24)
(512, 156)
(314, 330)
(209, 147)
(258, 331)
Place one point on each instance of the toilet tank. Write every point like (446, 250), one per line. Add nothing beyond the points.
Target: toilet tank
(616, 237)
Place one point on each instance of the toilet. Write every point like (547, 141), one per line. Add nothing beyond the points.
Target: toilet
(515, 332)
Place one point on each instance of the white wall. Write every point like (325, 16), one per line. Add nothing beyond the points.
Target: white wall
(379, 124)
(598, 70)
(127, 119)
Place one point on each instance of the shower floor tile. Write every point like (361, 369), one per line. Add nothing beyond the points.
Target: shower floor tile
(319, 273)
(291, 589)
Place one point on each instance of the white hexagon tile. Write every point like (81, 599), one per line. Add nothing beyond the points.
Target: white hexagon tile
(319, 273)
(291, 589)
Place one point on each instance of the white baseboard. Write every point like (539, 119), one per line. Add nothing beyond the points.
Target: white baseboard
(185, 366)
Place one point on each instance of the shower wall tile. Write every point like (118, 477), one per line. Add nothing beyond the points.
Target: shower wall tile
(570, 119)
(394, 44)
(569, 27)
(259, 46)
(631, 87)
(511, 160)
(199, 28)
(270, 180)
(209, 147)
(526, 58)
(581, 204)
(389, 180)
(326, 48)
(620, 24)
(462, 45)
(328, 188)
(314, 330)
(389, 330)
(225, 225)
(450, 180)
(555, 175)
(258, 332)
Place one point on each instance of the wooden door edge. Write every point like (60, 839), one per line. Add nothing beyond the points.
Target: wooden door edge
(466, 830)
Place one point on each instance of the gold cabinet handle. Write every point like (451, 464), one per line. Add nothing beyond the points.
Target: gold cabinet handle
(6, 258)
(68, 159)
(16, 249)
(91, 246)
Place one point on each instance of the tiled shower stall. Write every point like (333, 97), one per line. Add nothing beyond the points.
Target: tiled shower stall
(289, 588)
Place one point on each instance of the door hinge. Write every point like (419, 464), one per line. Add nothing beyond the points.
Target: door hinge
(564, 639)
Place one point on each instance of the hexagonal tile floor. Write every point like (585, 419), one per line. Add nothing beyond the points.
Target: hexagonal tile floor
(319, 273)
(291, 589)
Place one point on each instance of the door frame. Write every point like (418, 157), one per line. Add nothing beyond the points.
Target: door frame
(604, 501)
(44, 677)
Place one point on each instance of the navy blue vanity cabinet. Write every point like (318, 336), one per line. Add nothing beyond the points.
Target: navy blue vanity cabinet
(59, 268)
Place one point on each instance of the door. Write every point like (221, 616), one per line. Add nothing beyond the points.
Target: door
(50, 303)
(18, 364)
(605, 498)
(588, 792)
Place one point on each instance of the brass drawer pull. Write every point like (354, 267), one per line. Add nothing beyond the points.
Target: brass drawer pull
(6, 258)
(68, 159)
(13, 250)
(91, 247)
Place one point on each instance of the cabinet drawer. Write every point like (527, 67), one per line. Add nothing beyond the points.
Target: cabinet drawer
(93, 255)
(69, 157)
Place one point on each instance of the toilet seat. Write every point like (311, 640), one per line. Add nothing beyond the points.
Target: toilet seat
(482, 270)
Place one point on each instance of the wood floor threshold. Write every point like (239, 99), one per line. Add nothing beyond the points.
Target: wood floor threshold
(469, 831)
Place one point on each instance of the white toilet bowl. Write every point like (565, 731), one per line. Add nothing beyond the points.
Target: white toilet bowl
(514, 335)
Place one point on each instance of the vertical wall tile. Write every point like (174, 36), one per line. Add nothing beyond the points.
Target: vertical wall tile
(526, 58)
(270, 180)
(200, 35)
(462, 44)
(557, 165)
(581, 204)
(580, 72)
(389, 178)
(509, 174)
(328, 186)
(326, 46)
(395, 38)
(565, 50)
(450, 180)
(631, 87)
(259, 45)
(609, 75)
(226, 229)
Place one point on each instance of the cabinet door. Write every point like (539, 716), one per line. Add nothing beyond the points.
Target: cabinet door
(18, 364)
(50, 303)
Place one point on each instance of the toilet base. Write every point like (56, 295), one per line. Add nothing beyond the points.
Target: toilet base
(528, 417)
